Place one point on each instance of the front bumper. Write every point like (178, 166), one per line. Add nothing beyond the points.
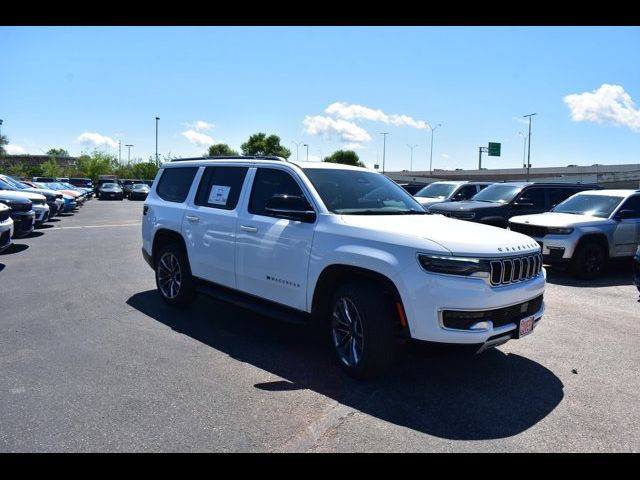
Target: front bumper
(6, 232)
(42, 213)
(558, 248)
(23, 223)
(426, 296)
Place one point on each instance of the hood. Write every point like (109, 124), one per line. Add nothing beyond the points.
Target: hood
(552, 219)
(466, 205)
(42, 191)
(429, 201)
(457, 236)
(21, 195)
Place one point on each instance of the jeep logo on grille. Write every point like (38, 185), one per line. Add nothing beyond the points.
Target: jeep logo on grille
(516, 248)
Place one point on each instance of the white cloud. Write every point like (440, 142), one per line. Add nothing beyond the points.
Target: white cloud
(201, 125)
(444, 155)
(352, 112)
(354, 146)
(14, 149)
(96, 139)
(197, 138)
(327, 126)
(607, 104)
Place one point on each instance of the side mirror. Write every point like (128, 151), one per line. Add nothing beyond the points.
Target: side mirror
(622, 214)
(291, 207)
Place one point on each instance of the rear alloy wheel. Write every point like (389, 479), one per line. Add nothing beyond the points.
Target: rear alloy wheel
(173, 276)
(589, 261)
(362, 329)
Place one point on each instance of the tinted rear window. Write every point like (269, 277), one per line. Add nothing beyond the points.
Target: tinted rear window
(220, 187)
(175, 183)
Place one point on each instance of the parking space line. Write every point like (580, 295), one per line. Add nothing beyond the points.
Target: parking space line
(95, 226)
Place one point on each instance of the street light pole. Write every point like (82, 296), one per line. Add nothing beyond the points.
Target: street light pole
(0, 128)
(384, 148)
(128, 153)
(297, 150)
(157, 161)
(411, 147)
(529, 144)
(524, 149)
(306, 145)
(119, 151)
(431, 154)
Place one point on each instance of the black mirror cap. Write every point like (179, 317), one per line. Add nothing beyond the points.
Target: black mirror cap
(291, 207)
(622, 214)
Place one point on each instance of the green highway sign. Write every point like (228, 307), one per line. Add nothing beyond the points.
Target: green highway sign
(494, 149)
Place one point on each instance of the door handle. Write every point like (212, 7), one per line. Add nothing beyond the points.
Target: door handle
(193, 218)
(248, 228)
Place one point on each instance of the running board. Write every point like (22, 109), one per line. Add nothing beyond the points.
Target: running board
(255, 304)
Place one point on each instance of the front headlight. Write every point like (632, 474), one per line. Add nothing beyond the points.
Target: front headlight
(464, 266)
(559, 230)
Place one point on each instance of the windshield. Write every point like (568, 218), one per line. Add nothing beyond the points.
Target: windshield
(109, 185)
(352, 192)
(437, 190)
(6, 186)
(497, 193)
(55, 186)
(13, 183)
(591, 205)
(140, 186)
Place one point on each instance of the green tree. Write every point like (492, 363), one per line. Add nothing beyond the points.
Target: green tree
(58, 152)
(16, 170)
(222, 150)
(50, 168)
(3, 141)
(346, 157)
(98, 163)
(144, 170)
(260, 144)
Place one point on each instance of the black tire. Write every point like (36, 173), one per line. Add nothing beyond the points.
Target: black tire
(174, 281)
(376, 350)
(588, 261)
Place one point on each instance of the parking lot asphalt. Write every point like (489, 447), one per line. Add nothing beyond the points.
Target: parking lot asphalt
(92, 360)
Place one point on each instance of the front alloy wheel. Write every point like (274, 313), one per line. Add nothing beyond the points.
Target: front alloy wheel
(346, 331)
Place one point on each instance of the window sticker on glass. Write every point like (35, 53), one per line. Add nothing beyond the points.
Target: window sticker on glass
(219, 195)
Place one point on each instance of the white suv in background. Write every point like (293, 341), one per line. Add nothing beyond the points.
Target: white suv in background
(586, 230)
(449, 191)
(339, 245)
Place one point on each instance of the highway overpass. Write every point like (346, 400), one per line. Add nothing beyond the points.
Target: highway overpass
(609, 176)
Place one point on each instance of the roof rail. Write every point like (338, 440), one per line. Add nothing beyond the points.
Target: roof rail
(232, 157)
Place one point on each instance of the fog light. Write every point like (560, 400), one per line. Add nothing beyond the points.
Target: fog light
(486, 325)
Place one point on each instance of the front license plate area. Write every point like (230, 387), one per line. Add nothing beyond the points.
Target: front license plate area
(525, 327)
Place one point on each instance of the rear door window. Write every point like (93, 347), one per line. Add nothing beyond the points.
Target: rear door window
(220, 187)
(559, 194)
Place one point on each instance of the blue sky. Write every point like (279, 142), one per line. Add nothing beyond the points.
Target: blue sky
(77, 87)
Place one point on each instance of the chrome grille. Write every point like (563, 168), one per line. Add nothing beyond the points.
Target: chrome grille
(458, 215)
(515, 269)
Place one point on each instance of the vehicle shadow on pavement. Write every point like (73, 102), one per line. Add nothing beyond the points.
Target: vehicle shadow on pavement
(449, 395)
(617, 273)
(15, 248)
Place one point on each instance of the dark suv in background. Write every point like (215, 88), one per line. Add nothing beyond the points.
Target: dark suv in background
(497, 203)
